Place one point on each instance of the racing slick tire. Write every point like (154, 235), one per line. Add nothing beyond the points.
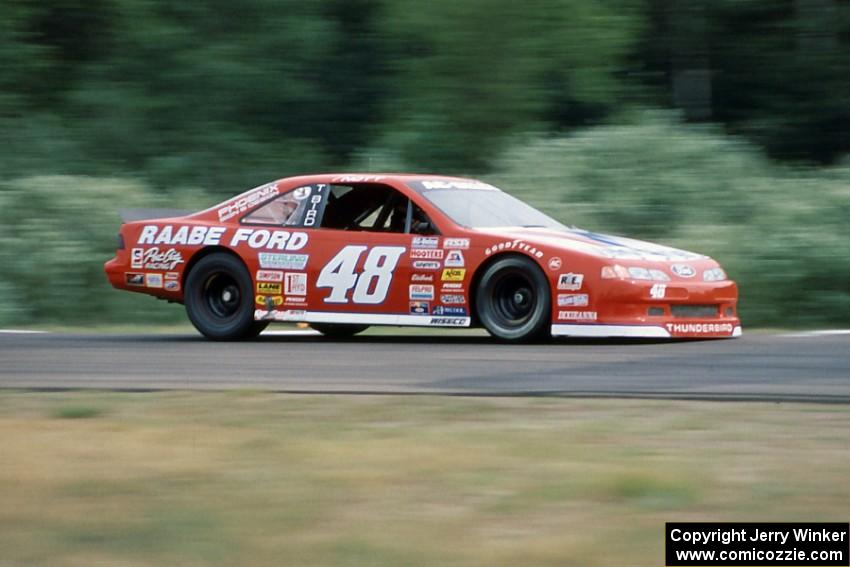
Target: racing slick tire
(220, 300)
(513, 300)
(337, 330)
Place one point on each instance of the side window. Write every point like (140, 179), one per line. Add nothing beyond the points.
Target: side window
(420, 223)
(375, 208)
(286, 210)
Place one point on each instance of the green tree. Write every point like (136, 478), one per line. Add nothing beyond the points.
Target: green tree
(774, 70)
(469, 74)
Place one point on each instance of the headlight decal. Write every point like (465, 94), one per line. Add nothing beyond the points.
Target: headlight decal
(714, 275)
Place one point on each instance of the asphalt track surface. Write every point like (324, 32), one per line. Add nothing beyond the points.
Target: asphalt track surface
(756, 367)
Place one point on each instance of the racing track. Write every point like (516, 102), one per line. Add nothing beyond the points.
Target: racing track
(764, 367)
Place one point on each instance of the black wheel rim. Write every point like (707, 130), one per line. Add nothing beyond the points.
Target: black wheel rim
(514, 299)
(222, 296)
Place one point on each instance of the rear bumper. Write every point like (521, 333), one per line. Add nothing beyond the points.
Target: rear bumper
(676, 330)
(115, 273)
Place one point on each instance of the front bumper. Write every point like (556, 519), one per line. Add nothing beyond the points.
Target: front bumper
(636, 309)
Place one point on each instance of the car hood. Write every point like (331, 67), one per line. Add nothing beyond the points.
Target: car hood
(595, 244)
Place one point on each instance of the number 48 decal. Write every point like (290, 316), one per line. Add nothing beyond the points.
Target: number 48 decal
(371, 285)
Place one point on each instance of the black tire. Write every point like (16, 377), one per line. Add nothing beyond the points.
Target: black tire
(338, 330)
(220, 300)
(513, 300)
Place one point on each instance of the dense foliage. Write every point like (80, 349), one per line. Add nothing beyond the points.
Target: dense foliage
(781, 232)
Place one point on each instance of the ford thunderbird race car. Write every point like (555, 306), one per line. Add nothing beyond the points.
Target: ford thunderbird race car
(341, 252)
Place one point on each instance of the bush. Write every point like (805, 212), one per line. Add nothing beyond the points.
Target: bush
(56, 233)
(780, 232)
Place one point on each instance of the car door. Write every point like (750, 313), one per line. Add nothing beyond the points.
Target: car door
(360, 269)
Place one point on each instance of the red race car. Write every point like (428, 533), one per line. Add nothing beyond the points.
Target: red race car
(345, 251)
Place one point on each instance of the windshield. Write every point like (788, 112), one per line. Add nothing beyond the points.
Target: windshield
(487, 208)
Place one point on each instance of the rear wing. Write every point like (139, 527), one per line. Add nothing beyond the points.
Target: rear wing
(131, 215)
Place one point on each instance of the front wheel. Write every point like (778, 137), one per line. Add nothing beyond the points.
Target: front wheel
(513, 300)
(338, 330)
(219, 299)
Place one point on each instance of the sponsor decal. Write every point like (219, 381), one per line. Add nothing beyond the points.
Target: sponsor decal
(425, 265)
(570, 282)
(700, 328)
(137, 256)
(269, 276)
(457, 184)
(425, 241)
(283, 261)
(153, 259)
(357, 178)
(453, 275)
(296, 283)
(244, 202)
(577, 315)
(172, 276)
(276, 300)
(183, 235)
(683, 270)
(462, 243)
(302, 193)
(153, 280)
(658, 291)
(448, 321)
(514, 245)
(268, 288)
(420, 307)
(172, 285)
(573, 300)
(312, 213)
(422, 278)
(288, 315)
(134, 279)
(270, 239)
(554, 264)
(299, 301)
(453, 285)
(450, 299)
(454, 259)
(426, 254)
(451, 311)
(418, 291)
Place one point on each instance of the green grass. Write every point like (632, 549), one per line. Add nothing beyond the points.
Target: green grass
(77, 412)
(140, 327)
(267, 479)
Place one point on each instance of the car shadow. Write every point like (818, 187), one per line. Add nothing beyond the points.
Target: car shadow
(462, 340)
(400, 339)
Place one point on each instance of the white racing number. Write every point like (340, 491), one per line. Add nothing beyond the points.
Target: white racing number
(658, 291)
(371, 284)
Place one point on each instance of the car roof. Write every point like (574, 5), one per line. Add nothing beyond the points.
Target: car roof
(399, 180)
(364, 177)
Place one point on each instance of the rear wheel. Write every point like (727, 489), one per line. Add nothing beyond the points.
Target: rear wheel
(219, 299)
(338, 330)
(513, 300)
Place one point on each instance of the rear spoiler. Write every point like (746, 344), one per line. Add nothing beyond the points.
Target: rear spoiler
(130, 215)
